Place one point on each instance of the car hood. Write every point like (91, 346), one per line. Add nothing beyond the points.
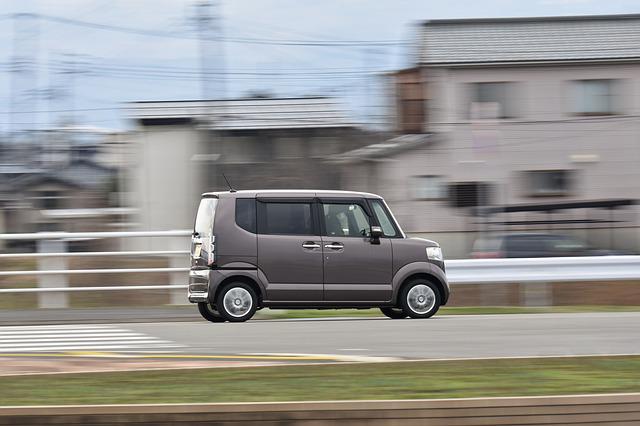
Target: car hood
(427, 243)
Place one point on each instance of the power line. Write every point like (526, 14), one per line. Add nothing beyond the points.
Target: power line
(245, 40)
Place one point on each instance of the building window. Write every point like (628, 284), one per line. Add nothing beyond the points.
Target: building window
(429, 187)
(492, 100)
(549, 182)
(593, 97)
(49, 200)
(469, 194)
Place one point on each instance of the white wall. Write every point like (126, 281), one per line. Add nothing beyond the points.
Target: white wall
(166, 182)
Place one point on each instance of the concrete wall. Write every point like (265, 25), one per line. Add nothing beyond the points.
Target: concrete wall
(621, 409)
(166, 181)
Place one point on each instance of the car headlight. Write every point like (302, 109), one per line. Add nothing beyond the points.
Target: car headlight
(435, 253)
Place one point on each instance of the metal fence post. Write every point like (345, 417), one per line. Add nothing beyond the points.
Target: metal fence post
(178, 296)
(48, 299)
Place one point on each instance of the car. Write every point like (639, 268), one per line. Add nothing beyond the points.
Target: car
(309, 249)
(535, 245)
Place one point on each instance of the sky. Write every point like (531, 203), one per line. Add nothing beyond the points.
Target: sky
(83, 69)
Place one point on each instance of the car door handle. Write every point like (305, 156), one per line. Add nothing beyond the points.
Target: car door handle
(334, 246)
(310, 245)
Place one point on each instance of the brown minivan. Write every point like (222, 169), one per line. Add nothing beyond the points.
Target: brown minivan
(319, 249)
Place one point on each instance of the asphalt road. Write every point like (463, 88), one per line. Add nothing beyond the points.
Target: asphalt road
(439, 337)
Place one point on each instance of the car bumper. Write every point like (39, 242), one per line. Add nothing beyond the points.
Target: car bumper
(198, 286)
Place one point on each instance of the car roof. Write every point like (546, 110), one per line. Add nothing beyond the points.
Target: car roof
(291, 193)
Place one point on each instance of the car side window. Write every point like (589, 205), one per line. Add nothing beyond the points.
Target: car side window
(384, 219)
(246, 214)
(286, 218)
(345, 220)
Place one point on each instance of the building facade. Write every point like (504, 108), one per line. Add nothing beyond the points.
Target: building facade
(184, 148)
(522, 112)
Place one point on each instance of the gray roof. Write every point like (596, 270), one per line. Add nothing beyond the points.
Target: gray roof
(572, 38)
(246, 114)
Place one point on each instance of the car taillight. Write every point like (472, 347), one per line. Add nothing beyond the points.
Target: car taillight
(211, 251)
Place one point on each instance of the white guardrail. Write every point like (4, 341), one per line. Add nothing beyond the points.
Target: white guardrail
(543, 269)
(52, 254)
(52, 266)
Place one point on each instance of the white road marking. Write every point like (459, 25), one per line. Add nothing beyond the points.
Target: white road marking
(58, 338)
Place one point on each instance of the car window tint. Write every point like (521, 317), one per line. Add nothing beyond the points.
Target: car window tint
(384, 219)
(346, 220)
(246, 214)
(527, 243)
(288, 219)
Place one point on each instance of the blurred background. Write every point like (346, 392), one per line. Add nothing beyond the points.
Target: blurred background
(497, 137)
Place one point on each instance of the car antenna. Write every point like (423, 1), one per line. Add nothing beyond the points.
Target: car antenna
(228, 184)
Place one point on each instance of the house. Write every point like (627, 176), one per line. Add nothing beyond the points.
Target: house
(183, 148)
(532, 124)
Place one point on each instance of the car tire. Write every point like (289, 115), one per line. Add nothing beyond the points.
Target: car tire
(208, 313)
(420, 298)
(393, 313)
(237, 302)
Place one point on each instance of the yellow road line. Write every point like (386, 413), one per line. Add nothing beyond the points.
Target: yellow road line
(171, 356)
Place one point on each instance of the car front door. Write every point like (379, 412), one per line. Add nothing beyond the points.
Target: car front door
(355, 269)
(290, 250)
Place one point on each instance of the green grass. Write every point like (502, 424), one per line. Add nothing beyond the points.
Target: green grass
(465, 310)
(408, 380)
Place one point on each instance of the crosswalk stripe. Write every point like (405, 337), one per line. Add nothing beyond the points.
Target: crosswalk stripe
(97, 339)
(70, 342)
(53, 327)
(85, 347)
(58, 338)
(65, 336)
(25, 332)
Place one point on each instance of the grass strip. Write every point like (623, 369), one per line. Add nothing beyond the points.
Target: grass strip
(399, 380)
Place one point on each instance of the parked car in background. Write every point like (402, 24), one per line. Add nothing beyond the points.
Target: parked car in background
(535, 245)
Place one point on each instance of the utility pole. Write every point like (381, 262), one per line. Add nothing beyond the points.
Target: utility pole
(209, 30)
(24, 76)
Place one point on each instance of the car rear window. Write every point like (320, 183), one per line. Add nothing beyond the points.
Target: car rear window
(487, 244)
(204, 218)
(246, 214)
(527, 243)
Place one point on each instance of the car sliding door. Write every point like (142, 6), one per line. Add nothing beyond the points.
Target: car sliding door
(290, 249)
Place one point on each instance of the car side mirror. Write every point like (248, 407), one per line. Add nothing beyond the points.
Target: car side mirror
(376, 233)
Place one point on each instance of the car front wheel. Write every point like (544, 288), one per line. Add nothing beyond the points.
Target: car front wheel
(420, 299)
(237, 302)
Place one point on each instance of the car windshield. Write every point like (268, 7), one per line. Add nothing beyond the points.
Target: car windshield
(568, 243)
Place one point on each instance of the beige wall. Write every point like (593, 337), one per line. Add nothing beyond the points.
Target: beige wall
(544, 136)
(166, 182)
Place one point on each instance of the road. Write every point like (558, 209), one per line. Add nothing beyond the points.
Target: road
(439, 337)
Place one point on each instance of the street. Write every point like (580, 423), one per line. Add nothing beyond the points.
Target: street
(441, 337)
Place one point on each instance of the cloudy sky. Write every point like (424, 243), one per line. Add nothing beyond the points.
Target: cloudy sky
(91, 56)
